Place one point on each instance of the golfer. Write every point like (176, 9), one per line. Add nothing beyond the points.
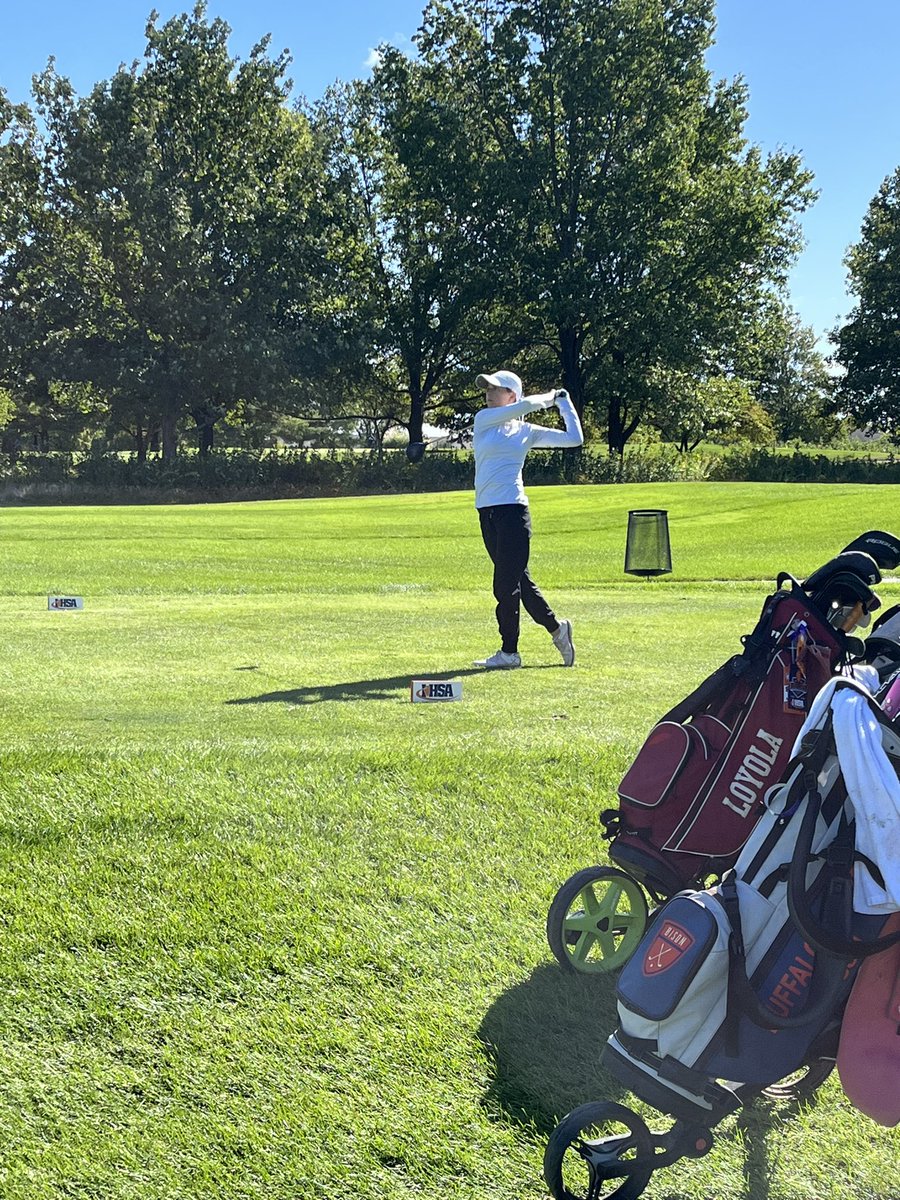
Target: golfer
(501, 440)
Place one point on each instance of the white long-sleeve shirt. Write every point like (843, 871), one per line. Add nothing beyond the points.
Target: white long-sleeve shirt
(501, 440)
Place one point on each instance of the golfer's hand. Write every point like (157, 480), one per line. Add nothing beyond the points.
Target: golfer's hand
(560, 394)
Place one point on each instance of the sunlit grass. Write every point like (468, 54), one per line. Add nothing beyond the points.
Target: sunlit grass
(270, 930)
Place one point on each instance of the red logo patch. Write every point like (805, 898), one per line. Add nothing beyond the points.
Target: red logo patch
(668, 946)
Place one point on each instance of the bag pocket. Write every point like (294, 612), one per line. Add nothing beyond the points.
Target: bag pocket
(671, 753)
(670, 955)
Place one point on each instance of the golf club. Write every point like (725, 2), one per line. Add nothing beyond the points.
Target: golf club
(415, 451)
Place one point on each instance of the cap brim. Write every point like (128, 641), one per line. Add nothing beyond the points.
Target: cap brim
(486, 381)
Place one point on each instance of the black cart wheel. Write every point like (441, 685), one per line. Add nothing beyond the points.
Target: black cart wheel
(803, 1082)
(588, 1154)
(596, 920)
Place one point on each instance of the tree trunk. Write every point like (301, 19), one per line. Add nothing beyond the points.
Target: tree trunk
(140, 442)
(619, 429)
(416, 412)
(573, 379)
(206, 422)
(169, 435)
(573, 382)
(614, 428)
(10, 444)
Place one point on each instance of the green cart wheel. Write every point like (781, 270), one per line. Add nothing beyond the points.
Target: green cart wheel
(596, 920)
(591, 1151)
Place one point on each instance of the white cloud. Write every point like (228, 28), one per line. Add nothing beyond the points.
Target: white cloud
(401, 41)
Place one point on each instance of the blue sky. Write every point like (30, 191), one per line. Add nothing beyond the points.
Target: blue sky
(822, 74)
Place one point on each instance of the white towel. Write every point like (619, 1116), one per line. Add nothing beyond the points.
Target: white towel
(873, 789)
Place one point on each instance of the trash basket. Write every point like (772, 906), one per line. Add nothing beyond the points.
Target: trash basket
(647, 549)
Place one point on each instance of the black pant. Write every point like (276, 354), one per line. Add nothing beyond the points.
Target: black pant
(506, 530)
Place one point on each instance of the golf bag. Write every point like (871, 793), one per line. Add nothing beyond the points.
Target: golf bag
(747, 981)
(699, 783)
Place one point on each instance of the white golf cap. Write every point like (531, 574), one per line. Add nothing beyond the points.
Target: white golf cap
(504, 379)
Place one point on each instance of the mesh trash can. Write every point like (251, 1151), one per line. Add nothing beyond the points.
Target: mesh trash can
(647, 550)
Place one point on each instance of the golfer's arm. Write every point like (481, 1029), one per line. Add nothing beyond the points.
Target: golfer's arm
(486, 418)
(554, 439)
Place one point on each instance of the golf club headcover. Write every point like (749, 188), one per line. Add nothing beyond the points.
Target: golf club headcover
(883, 547)
(845, 580)
(883, 645)
(856, 562)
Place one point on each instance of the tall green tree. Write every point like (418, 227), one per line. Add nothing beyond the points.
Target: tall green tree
(197, 276)
(782, 365)
(24, 222)
(641, 227)
(867, 345)
(687, 410)
(403, 156)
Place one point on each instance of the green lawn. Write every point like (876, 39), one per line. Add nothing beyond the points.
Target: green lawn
(270, 930)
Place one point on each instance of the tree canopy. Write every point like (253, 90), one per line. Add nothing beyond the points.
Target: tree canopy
(641, 229)
(558, 185)
(177, 253)
(867, 346)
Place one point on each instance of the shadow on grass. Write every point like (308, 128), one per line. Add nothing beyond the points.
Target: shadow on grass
(543, 1039)
(758, 1127)
(361, 689)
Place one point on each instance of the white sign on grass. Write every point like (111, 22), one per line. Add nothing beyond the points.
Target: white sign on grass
(64, 603)
(425, 691)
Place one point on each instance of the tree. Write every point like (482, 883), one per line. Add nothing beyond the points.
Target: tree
(196, 274)
(645, 229)
(868, 344)
(687, 410)
(23, 221)
(789, 377)
(402, 157)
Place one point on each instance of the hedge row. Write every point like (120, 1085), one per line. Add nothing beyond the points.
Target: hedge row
(763, 466)
(241, 474)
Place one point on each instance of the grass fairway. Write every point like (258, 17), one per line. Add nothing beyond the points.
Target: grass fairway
(270, 930)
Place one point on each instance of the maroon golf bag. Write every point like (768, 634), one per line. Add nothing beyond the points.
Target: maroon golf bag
(698, 785)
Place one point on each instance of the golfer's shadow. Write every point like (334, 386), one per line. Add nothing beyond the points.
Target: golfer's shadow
(543, 1039)
(362, 689)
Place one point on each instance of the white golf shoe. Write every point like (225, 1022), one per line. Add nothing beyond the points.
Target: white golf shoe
(562, 640)
(501, 661)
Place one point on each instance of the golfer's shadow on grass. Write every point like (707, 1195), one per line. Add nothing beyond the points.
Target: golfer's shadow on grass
(543, 1039)
(361, 689)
